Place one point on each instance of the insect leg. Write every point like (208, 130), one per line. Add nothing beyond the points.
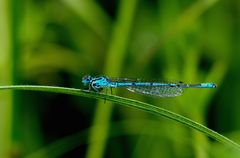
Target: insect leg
(106, 93)
(111, 89)
(94, 88)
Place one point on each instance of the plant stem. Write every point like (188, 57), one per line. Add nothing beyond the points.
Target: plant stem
(5, 78)
(115, 56)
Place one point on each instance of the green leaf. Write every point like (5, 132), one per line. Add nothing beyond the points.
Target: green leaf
(130, 103)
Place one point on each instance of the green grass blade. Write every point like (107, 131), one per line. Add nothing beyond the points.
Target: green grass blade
(116, 53)
(92, 14)
(6, 77)
(130, 103)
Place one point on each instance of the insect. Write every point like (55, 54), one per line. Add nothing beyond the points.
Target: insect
(159, 89)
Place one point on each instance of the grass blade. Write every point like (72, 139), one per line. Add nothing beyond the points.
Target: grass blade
(130, 103)
(113, 67)
(6, 77)
(92, 14)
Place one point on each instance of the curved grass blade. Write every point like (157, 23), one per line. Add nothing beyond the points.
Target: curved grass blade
(130, 103)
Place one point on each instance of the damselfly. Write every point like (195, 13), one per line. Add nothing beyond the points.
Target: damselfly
(159, 89)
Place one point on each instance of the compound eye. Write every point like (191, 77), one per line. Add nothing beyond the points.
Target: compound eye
(87, 78)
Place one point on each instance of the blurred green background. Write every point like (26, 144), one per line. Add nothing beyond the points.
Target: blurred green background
(49, 42)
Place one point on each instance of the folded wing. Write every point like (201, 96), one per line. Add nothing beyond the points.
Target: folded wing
(157, 91)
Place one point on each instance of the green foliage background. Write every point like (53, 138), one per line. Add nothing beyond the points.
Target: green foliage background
(58, 42)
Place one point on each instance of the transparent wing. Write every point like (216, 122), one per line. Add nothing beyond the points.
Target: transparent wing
(158, 91)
